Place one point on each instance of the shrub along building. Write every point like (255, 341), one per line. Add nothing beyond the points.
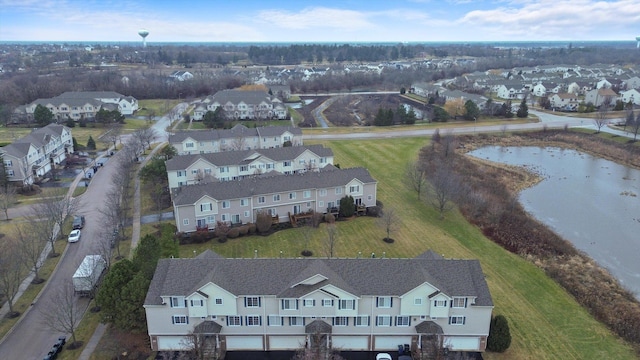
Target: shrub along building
(236, 165)
(199, 207)
(361, 304)
(33, 156)
(237, 138)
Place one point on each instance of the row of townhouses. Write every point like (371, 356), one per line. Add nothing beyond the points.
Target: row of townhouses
(236, 165)
(34, 155)
(356, 304)
(243, 105)
(237, 138)
(200, 206)
(79, 105)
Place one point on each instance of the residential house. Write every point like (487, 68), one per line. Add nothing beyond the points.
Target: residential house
(630, 96)
(632, 83)
(248, 105)
(564, 101)
(238, 202)
(601, 96)
(237, 138)
(181, 75)
(185, 170)
(511, 91)
(81, 105)
(358, 304)
(283, 92)
(33, 156)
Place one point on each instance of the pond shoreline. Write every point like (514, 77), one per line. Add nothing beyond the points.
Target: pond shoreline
(591, 285)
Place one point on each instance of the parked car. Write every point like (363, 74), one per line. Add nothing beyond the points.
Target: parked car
(78, 222)
(383, 356)
(74, 236)
(55, 350)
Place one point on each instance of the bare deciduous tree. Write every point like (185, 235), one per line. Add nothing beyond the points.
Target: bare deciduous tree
(317, 349)
(30, 245)
(601, 117)
(144, 136)
(8, 198)
(200, 345)
(445, 187)
(51, 213)
(12, 272)
(388, 221)
(415, 177)
(63, 313)
(331, 240)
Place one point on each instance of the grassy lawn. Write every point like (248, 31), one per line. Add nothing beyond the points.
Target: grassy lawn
(609, 136)
(545, 321)
(156, 107)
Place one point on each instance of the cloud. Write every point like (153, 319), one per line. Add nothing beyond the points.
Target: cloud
(316, 17)
(585, 19)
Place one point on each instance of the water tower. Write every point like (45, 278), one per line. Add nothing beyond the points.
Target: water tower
(143, 33)
(638, 40)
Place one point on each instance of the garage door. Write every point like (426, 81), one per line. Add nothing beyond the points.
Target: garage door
(391, 342)
(244, 343)
(286, 342)
(462, 343)
(172, 343)
(350, 342)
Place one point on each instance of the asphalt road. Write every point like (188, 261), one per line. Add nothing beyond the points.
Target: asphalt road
(30, 339)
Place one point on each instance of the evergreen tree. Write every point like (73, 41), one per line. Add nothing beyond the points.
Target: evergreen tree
(91, 144)
(523, 110)
(110, 295)
(42, 115)
(347, 206)
(472, 112)
(506, 107)
(499, 338)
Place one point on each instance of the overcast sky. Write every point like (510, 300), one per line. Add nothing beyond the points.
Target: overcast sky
(319, 21)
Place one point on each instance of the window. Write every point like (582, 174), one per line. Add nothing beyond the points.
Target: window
(244, 168)
(341, 321)
(206, 207)
(10, 173)
(287, 163)
(224, 217)
(369, 197)
(459, 302)
(440, 303)
(8, 163)
(309, 302)
(189, 145)
(194, 171)
(234, 321)
(354, 188)
(292, 196)
(417, 301)
(254, 320)
(179, 320)
(211, 219)
(275, 320)
(361, 320)
(383, 320)
(456, 320)
(384, 302)
(306, 194)
(323, 192)
(296, 321)
(327, 302)
(246, 214)
(207, 171)
(218, 301)
(276, 197)
(252, 301)
(185, 221)
(261, 200)
(182, 173)
(177, 302)
(289, 304)
(196, 303)
(338, 190)
(235, 219)
(321, 204)
(403, 321)
(346, 304)
(301, 161)
(226, 204)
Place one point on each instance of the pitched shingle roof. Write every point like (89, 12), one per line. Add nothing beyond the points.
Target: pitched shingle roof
(362, 277)
(224, 158)
(226, 190)
(235, 132)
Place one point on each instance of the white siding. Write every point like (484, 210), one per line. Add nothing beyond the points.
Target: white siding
(286, 342)
(350, 343)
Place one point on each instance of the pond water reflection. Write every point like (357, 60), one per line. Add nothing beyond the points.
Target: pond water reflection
(590, 201)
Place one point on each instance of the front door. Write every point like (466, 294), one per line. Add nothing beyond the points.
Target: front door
(296, 209)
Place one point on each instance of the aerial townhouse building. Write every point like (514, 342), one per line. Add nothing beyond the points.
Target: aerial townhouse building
(239, 137)
(199, 207)
(351, 304)
(33, 156)
(193, 169)
(243, 105)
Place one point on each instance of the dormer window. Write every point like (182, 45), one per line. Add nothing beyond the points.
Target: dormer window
(178, 302)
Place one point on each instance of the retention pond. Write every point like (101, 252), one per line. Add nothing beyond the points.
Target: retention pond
(592, 202)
